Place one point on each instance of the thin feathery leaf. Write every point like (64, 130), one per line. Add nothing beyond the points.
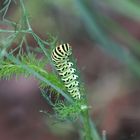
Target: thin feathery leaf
(5, 7)
(71, 111)
(9, 69)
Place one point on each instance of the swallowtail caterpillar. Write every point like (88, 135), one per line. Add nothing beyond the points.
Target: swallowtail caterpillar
(60, 56)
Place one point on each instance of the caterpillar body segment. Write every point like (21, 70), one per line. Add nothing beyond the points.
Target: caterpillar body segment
(71, 78)
(60, 56)
(64, 66)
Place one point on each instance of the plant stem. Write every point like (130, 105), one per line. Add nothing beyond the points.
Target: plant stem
(90, 131)
(86, 124)
(24, 12)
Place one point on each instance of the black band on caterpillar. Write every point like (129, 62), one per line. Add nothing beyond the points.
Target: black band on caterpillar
(60, 58)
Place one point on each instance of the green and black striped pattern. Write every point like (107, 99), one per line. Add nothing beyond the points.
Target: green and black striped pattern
(60, 57)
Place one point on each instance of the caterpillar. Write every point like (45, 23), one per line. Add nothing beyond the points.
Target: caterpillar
(60, 56)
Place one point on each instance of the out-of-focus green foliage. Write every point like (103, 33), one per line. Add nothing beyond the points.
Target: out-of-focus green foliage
(128, 8)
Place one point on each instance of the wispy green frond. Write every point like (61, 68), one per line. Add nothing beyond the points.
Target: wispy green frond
(9, 69)
(71, 111)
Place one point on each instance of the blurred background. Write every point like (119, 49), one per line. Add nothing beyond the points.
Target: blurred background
(105, 36)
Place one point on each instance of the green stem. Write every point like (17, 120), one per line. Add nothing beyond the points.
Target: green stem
(24, 12)
(90, 131)
(86, 124)
(13, 31)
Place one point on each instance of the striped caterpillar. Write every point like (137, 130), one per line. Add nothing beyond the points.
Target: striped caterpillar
(60, 56)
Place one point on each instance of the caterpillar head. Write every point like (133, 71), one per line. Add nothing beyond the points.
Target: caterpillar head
(61, 53)
(64, 49)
